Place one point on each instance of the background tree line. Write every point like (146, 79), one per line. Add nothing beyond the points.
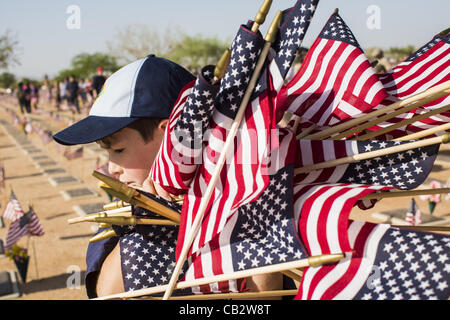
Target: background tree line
(137, 41)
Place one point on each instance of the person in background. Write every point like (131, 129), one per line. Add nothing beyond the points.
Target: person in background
(27, 97)
(20, 94)
(83, 92)
(58, 95)
(34, 94)
(97, 82)
(72, 93)
(62, 89)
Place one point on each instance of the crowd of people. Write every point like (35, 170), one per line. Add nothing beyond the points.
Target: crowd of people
(69, 94)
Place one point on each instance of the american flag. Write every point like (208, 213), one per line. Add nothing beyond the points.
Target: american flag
(73, 154)
(321, 212)
(13, 209)
(181, 150)
(148, 260)
(413, 215)
(386, 263)
(27, 224)
(245, 175)
(261, 233)
(324, 198)
(243, 161)
(294, 24)
(148, 252)
(402, 170)
(335, 82)
(426, 68)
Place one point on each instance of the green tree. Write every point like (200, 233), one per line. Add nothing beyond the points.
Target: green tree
(8, 50)
(196, 51)
(86, 64)
(135, 42)
(7, 80)
(400, 52)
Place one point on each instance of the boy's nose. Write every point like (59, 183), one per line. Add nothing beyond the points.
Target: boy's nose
(114, 169)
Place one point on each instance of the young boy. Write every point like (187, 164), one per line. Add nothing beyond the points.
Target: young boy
(128, 119)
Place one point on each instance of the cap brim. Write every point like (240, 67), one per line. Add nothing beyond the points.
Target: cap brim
(91, 129)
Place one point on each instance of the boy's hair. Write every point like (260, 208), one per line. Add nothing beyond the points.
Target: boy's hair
(145, 127)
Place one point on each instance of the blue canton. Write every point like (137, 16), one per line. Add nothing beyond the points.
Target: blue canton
(403, 170)
(409, 265)
(264, 233)
(336, 29)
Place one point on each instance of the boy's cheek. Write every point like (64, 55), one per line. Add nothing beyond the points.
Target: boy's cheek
(137, 176)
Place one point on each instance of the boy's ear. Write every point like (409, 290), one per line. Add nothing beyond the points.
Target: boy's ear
(163, 124)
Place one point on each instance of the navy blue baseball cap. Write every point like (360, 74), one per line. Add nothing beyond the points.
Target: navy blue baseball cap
(146, 88)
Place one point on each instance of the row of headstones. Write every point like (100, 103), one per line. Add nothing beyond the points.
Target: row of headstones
(9, 285)
(57, 176)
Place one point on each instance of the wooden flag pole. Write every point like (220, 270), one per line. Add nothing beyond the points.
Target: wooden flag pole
(409, 193)
(234, 295)
(130, 221)
(35, 260)
(373, 154)
(424, 133)
(366, 117)
(424, 228)
(221, 161)
(403, 123)
(305, 132)
(390, 115)
(294, 274)
(314, 261)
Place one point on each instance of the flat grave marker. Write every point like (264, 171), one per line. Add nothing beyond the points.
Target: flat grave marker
(63, 180)
(78, 193)
(9, 288)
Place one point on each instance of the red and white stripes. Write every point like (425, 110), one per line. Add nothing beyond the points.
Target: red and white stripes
(334, 83)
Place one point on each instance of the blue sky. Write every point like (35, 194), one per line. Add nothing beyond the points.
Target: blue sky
(47, 45)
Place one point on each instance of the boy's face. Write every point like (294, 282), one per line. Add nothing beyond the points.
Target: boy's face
(130, 156)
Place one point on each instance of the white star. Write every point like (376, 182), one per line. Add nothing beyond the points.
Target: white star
(442, 285)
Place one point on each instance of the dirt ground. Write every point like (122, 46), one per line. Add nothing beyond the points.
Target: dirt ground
(56, 255)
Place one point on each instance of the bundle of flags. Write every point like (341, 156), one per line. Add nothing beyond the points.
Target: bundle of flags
(265, 208)
(22, 224)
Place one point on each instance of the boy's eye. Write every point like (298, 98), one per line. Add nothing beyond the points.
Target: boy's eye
(119, 150)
